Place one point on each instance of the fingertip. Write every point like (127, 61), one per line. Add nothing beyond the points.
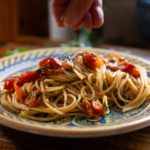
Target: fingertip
(77, 27)
(98, 16)
(59, 21)
(97, 13)
(87, 21)
(57, 9)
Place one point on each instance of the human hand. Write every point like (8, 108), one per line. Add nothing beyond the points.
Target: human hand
(77, 13)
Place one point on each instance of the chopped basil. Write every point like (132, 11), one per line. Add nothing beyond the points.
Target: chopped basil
(112, 60)
(105, 106)
(65, 57)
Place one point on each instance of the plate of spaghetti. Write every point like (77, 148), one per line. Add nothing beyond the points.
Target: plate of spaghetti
(74, 92)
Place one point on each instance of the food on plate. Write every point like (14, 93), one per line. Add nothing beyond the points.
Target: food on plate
(85, 85)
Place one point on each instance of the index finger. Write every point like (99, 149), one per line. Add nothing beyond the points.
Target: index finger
(75, 11)
(58, 8)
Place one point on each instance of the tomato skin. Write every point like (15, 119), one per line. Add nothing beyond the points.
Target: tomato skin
(131, 69)
(92, 61)
(9, 83)
(97, 107)
(135, 73)
(28, 76)
(93, 107)
(20, 80)
(49, 62)
(87, 107)
(34, 100)
(126, 67)
(20, 94)
(115, 56)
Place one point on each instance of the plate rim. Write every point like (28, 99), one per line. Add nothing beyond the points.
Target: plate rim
(83, 132)
(77, 48)
(96, 131)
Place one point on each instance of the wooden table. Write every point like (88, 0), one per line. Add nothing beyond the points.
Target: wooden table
(138, 140)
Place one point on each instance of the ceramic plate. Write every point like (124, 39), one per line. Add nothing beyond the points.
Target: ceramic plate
(115, 123)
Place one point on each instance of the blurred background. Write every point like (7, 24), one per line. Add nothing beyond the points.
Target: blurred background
(30, 24)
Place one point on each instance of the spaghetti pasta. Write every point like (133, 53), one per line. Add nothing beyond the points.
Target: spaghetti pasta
(88, 85)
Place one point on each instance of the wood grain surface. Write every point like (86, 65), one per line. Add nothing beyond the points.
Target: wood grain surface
(11, 139)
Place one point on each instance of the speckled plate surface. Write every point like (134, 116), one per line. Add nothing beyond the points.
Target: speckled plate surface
(114, 123)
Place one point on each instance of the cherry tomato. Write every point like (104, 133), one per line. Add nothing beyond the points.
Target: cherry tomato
(28, 76)
(114, 56)
(131, 69)
(20, 80)
(51, 63)
(19, 92)
(34, 100)
(126, 67)
(87, 107)
(97, 106)
(9, 83)
(92, 61)
(135, 73)
(93, 107)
